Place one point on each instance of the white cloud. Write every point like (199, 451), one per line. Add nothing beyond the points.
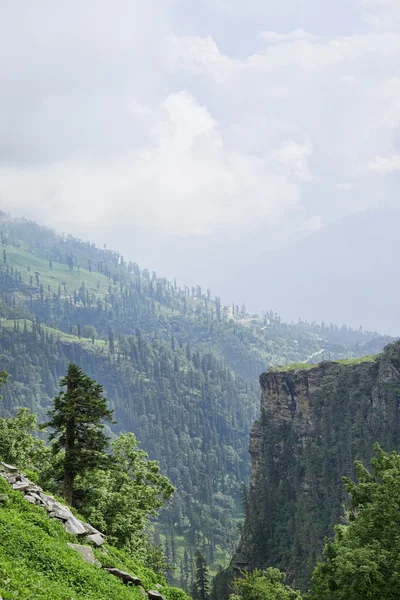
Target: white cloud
(185, 181)
(344, 187)
(384, 165)
(299, 34)
(383, 15)
(118, 117)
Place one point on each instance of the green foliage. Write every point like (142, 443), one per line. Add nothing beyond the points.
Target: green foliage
(35, 561)
(263, 585)
(120, 500)
(76, 420)
(19, 442)
(363, 561)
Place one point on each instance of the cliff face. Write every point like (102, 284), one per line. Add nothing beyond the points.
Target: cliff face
(314, 423)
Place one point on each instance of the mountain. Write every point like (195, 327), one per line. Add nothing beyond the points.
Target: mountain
(179, 369)
(340, 273)
(316, 420)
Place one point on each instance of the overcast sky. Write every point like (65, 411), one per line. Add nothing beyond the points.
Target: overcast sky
(196, 136)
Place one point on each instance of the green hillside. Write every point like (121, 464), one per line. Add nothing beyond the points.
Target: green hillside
(35, 561)
(179, 369)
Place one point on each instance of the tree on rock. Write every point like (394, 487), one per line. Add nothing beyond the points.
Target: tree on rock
(77, 420)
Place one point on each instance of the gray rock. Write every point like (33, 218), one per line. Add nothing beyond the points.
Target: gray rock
(64, 514)
(9, 467)
(11, 478)
(96, 539)
(29, 499)
(21, 486)
(87, 554)
(91, 529)
(74, 526)
(34, 488)
(155, 595)
(4, 499)
(126, 577)
(34, 495)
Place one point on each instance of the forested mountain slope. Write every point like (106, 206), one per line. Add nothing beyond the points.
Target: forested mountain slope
(179, 369)
(315, 422)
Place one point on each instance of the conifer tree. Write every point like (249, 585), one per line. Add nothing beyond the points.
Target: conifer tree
(201, 584)
(78, 429)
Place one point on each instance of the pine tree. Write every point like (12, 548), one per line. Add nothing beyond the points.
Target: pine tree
(78, 430)
(201, 584)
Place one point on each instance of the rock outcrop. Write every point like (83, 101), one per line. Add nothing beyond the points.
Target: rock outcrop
(35, 495)
(314, 423)
(63, 514)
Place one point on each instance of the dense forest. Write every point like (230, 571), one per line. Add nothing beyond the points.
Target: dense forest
(179, 369)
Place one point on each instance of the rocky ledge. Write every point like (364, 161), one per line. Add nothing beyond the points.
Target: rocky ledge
(35, 495)
(55, 510)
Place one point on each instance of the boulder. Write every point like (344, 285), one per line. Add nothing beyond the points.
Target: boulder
(30, 499)
(91, 529)
(87, 554)
(63, 513)
(4, 499)
(74, 526)
(9, 467)
(155, 595)
(96, 539)
(21, 486)
(35, 496)
(125, 577)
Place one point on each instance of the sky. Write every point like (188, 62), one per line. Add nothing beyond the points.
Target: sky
(205, 140)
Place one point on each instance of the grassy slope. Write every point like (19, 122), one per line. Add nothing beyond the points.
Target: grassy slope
(306, 366)
(35, 561)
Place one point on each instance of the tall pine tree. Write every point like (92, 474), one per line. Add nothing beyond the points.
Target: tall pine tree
(78, 429)
(201, 584)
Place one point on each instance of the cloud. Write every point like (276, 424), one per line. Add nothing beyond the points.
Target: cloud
(173, 121)
(299, 34)
(384, 165)
(382, 15)
(186, 180)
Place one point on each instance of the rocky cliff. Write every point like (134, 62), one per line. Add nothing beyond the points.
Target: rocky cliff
(315, 422)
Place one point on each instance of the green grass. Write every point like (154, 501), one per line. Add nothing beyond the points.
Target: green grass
(29, 264)
(36, 563)
(308, 366)
(9, 324)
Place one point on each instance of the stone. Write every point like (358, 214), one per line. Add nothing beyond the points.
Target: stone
(87, 554)
(11, 478)
(74, 526)
(29, 499)
(91, 529)
(125, 577)
(20, 486)
(64, 514)
(96, 539)
(9, 467)
(155, 595)
(4, 499)
(34, 495)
